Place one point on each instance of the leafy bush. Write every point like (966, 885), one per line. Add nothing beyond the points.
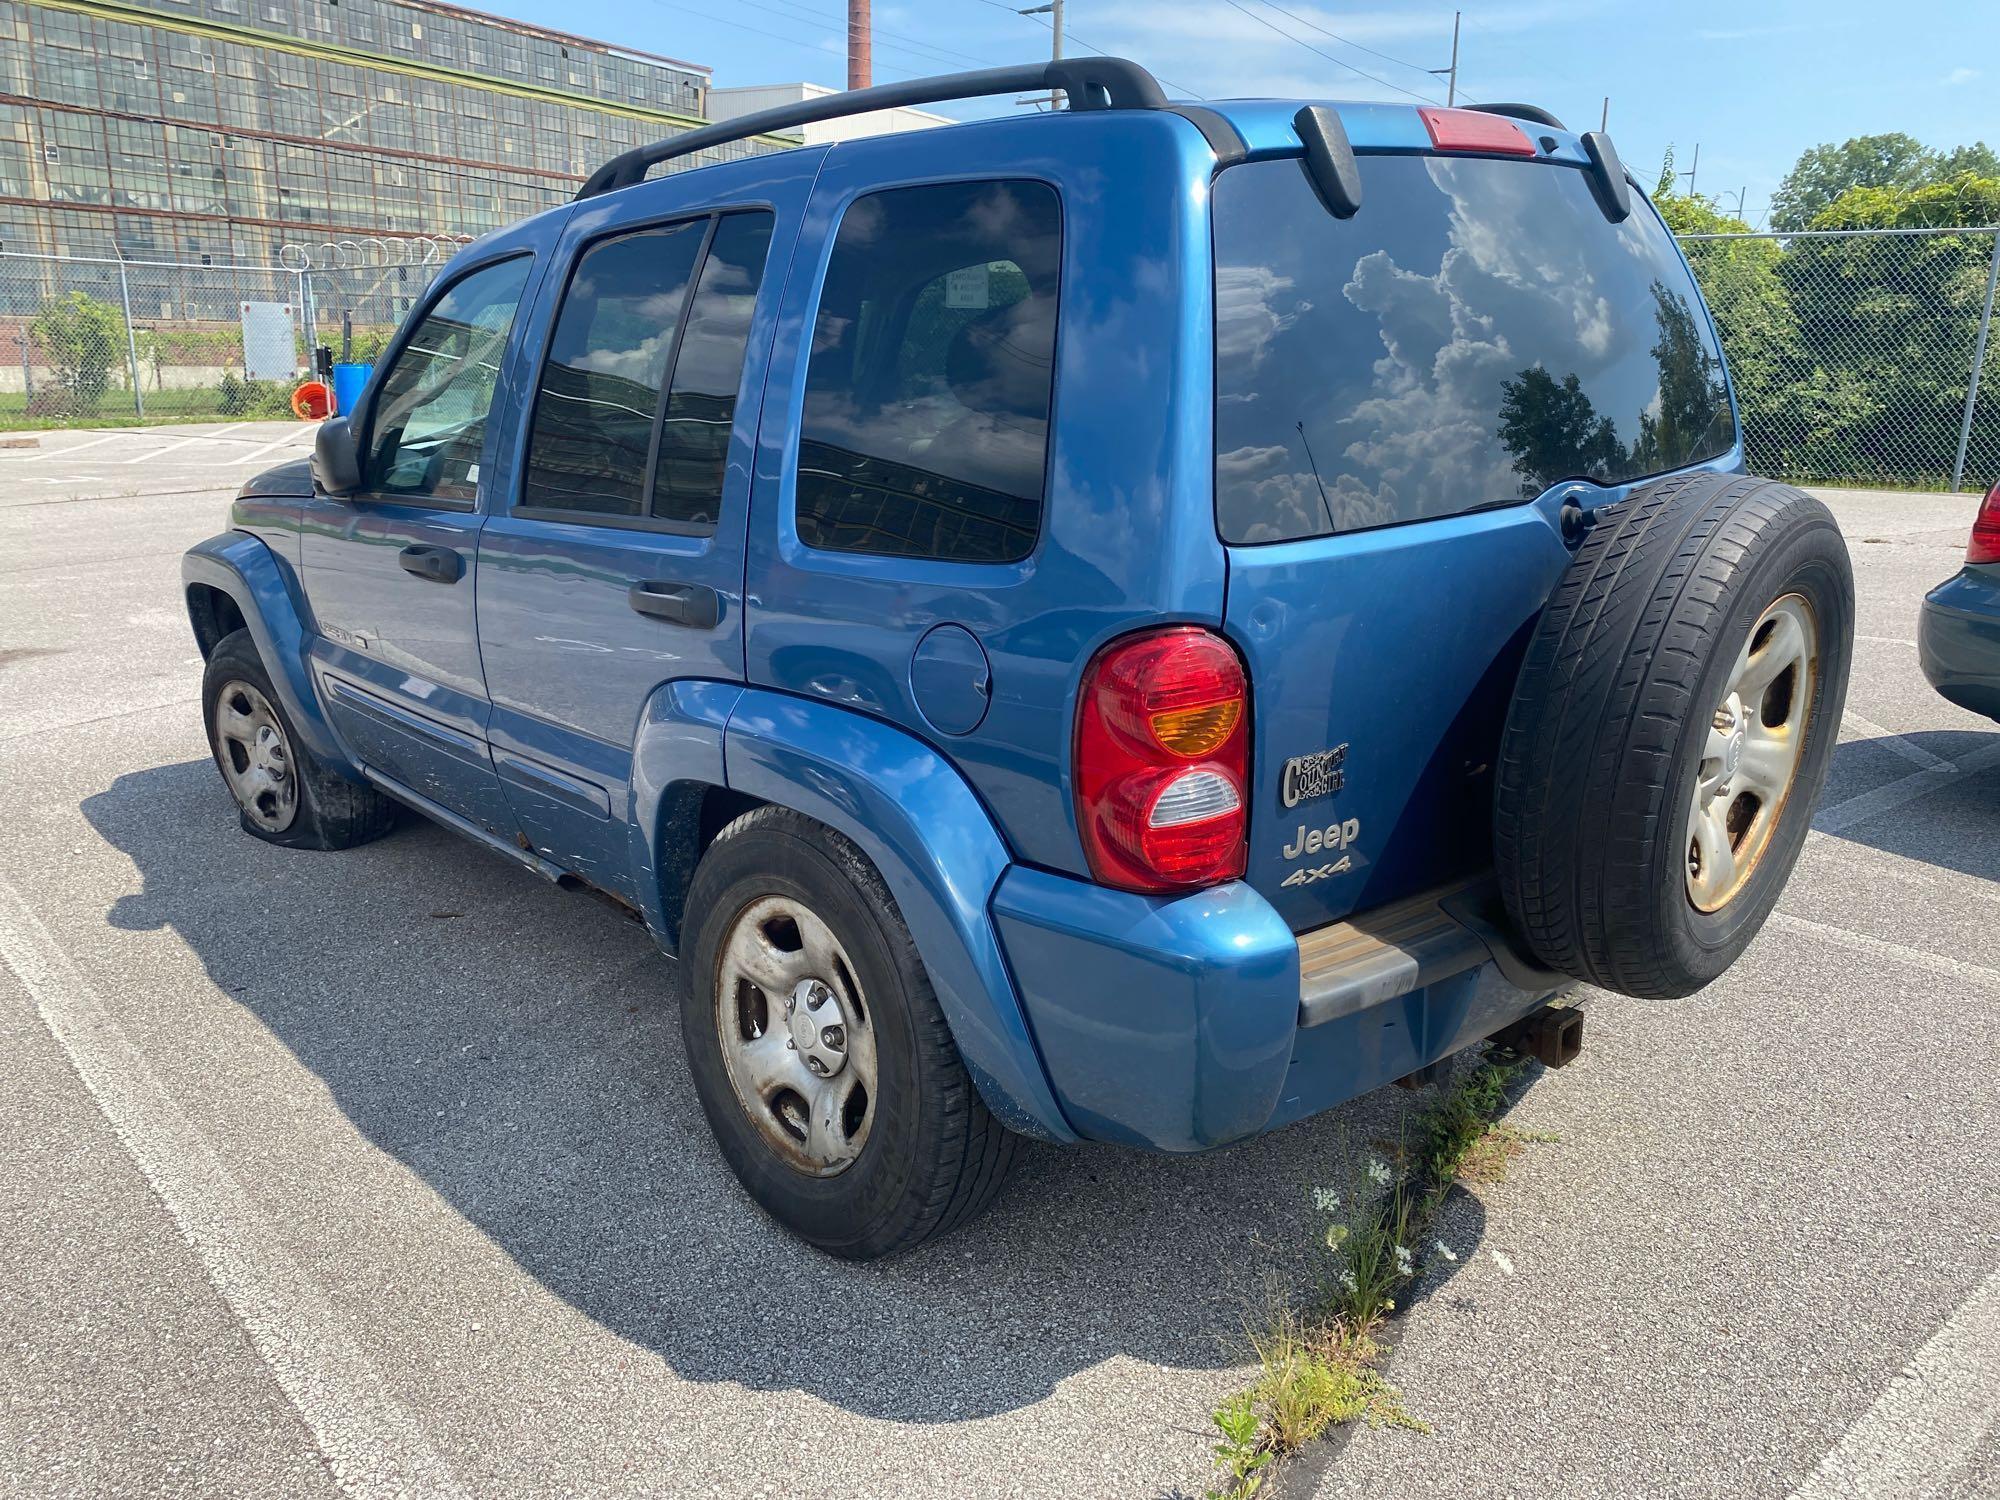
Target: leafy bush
(82, 338)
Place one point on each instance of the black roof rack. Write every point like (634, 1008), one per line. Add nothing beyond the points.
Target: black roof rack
(1090, 83)
(1521, 112)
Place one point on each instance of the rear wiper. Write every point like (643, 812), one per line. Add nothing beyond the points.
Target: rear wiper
(1330, 162)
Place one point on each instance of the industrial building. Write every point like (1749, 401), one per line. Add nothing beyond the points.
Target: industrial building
(213, 131)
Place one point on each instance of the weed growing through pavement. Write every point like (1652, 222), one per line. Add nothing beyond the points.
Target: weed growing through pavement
(1317, 1364)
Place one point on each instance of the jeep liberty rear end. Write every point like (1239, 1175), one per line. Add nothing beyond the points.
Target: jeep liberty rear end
(1138, 624)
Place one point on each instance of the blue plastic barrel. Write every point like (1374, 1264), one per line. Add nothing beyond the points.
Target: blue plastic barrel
(347, 383)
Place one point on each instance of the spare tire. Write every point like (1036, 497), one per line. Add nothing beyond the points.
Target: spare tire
(1672, 726)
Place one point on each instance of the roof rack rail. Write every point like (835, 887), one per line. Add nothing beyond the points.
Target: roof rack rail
(1520, 112)
(1090, 83)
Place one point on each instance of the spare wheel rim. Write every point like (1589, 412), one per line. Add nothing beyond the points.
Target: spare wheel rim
(1748, 761)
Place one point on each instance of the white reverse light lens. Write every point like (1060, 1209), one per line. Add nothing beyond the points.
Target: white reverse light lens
(1194, 797)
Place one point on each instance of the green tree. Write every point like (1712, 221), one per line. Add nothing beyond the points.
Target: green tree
(1886, 327)
(82, 338)
(1553, 431)
(1823, 173)
(1753, 313)
(1980, 159)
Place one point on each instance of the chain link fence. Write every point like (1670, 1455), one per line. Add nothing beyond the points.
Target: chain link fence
(1861, 357)
(96, 342)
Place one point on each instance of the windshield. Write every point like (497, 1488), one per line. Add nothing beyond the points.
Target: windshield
(1476, 333)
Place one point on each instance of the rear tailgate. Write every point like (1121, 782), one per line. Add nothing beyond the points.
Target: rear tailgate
(1404, 399)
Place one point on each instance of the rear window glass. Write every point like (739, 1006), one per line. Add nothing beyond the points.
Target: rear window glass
(927, 398)
(1476, 333)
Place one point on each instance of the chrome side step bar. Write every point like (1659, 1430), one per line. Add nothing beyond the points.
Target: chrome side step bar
(1388, 952)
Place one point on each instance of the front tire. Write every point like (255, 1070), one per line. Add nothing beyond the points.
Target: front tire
(284, 794)
(822, 1060)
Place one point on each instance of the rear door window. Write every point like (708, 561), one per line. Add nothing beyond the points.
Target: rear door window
(926, 420)
(1475, 334)
(638, 395)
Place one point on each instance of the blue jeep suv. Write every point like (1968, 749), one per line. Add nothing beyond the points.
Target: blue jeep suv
(1138, 623)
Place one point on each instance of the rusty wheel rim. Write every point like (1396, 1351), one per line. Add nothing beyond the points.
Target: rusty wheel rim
(1749, 757)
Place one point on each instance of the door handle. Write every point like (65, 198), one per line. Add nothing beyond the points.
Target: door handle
(692, 604)
(439, 564)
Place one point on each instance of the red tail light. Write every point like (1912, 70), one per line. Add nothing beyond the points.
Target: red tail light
(1985, 544)
(1470, 130)
(1163, 761)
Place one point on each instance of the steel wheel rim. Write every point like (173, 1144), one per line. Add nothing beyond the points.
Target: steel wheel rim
(1749, 759)
(797, 1036)
(256, 757)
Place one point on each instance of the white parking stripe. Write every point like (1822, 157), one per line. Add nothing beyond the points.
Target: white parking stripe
(199, 437)
(371, 1442)
(257, 453)
(1888, 739)
(109, 437)
(1860, 808)
(1931, 1419)
(1861, 942)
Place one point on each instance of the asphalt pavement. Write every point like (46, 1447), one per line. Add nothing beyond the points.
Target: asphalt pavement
(380, 1172)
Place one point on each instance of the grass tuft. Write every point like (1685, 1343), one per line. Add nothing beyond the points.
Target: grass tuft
(1317, 1364)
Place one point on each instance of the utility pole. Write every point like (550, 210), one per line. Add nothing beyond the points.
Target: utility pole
(860, 45)
(1696, 167)
(1450, 74)
(1604, 120)
(1054, 11)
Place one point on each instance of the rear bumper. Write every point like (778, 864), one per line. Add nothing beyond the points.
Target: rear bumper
(1184, 1024)
(1958, 640)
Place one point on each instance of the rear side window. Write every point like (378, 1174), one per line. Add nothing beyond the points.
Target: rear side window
(638, 394)
(1475, 334)
(926, 422)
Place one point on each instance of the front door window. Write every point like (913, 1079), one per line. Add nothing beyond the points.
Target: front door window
(430, 417)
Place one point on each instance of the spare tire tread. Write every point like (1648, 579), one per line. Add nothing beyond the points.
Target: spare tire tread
(1590, 754)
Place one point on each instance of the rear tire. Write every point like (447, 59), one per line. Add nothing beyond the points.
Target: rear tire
(284, 794)
(1633, 850)
(857, 1128)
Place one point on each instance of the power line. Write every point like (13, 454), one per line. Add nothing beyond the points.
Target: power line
(1318, 52)
(1402, 62)
(1087, 43)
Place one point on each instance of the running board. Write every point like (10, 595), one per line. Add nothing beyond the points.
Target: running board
(548, 870)
(1388, 952)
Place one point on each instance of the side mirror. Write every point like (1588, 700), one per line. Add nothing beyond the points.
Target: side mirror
(336, 460)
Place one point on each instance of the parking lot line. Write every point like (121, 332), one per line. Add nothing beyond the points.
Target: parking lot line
(257, 453)
(1869, 804)
(198, 437)
(1930, 1420)
(370, 1441)
(34, 458)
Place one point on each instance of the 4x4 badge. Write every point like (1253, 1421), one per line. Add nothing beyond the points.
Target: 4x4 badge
(1317, 775)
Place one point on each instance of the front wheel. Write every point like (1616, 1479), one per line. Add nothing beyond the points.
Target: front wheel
(284, 795)
(822, 1060)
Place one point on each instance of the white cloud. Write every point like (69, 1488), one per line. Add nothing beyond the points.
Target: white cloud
(1960, 75)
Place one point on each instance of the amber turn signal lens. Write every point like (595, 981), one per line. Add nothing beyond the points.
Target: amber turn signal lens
(1197, 731)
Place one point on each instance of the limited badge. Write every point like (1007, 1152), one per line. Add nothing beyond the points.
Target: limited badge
(1317, 775)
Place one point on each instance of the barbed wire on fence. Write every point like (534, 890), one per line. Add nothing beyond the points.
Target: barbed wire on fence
(1859, 356)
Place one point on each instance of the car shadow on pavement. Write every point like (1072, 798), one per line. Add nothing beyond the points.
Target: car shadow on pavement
(519, 1050)
(1960, 824)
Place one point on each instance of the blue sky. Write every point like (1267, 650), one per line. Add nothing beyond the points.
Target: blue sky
(1753, 83)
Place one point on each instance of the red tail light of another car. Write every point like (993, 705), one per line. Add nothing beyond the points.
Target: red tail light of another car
(1163, 761)
(1985, 544)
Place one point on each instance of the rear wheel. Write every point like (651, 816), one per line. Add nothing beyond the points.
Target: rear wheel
(1673, 724)
(823, 1062)
(284, 794)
